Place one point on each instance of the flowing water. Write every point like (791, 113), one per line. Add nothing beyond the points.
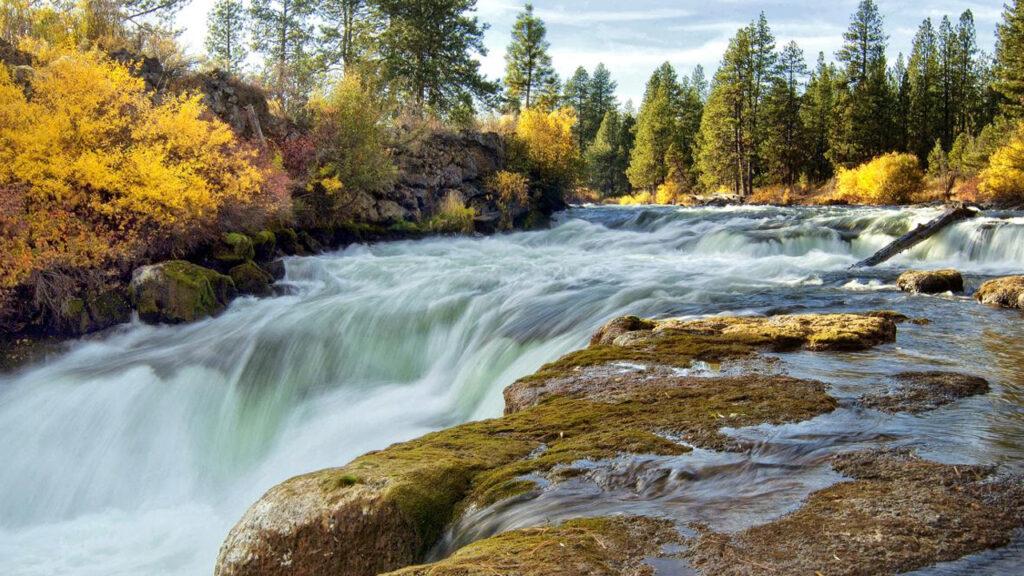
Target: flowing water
(134, 452)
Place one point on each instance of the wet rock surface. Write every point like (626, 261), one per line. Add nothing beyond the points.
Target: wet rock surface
(898, 513)
(931, 282)
(917, 392)
(177, 291)
(1005, 292)
(594, 546)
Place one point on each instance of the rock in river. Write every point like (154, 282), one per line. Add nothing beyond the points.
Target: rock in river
(177, 291)
(1007, 292)
(931, 282)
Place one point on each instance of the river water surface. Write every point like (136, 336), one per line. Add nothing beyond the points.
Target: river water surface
(134, 452)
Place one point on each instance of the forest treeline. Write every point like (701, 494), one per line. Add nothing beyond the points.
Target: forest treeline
(101, 171)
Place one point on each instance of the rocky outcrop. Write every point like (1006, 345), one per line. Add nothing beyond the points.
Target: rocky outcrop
(931, 282)
(1006, 292)
(916, 392)
(251, 279)
(384, 510)
(176, 292)
(436, 164)
(897, 514)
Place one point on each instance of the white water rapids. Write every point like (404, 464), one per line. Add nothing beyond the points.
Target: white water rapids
(135, 451)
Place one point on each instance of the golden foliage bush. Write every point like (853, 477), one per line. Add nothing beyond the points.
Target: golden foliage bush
(775, 195)
(1003, 179)
(891, 178)
(100, 173)
(511, 190)
(453, 216)
(637, 199)
(550, 150)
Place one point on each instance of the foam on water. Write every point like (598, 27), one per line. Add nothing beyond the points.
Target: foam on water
(134, 452)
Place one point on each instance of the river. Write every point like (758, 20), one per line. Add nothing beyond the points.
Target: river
(135, 451)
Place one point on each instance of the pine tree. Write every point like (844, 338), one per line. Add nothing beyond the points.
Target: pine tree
(345, 32)
(925, 91)
(226, 35)
(864, 127)
(282, 33)
(600, 99)
(429, 53)
(723, 143)
(699, 82)
(817, 115)
(528, 70)
(602, 157)
(948, 104)
(1009, 65)
(785, 148)
(967, 82)
(655, 131)
(899, 87)
(576, 95)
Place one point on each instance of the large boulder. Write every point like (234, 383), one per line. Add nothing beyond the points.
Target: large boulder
(97, 310)
(1007, 292)
(176, 292)
(931, 281)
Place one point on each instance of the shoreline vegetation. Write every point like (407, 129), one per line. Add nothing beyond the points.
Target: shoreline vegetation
(119, 151)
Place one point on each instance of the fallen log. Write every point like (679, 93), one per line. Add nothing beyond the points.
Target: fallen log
(918, 235)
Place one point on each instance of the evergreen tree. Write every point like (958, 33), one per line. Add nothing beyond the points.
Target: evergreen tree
(428, 50)
(723, 143)
(226, 35)
(600, 99)
(282, 33)
(817, 115)
(699, 82)
(967, 82)
(785, 148)
(528, 70)
(924, 74)
(655, 131)
(947, 49)
(1009, 65)
(345, 32)
(576, 95)
(863, 129)
(603, 157)
(899, 86)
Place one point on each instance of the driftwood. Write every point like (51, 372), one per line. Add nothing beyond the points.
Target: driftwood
(918, 235)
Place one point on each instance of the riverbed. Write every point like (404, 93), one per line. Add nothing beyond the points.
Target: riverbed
(135, 451)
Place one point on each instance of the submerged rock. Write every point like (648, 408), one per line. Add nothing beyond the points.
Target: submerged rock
(399, 500)
(931, 282)
(898, 513)
(916, 392)
(612, 546)
(1007, 292)
(178, 291)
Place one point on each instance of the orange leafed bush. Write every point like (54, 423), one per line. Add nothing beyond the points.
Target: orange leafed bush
(1003, 179)
(888, 179)
(98, 172)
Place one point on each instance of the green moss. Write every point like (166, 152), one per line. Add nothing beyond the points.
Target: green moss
(182, 292)
(433, 477)
(586, 546)
(234, 247)
(251, 279)
(264, 245)
(288, 240)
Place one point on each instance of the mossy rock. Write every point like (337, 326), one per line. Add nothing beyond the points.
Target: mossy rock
(233, 248)
(251, 279)
(1006, 292)
(288, 241)
(931, 281)
(397, 502)
(98, 310)
(610, 546)
(176, 292)
(264, 244)
(309, 244)
(73, 318)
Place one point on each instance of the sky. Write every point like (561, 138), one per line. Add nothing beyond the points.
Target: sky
(633, 37)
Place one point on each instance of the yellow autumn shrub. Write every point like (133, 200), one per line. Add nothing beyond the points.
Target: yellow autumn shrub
(512, 190)
(891, 178)
(100, 172)
(550, 149)
(1003, 179)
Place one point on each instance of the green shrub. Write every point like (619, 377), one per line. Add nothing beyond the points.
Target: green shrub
(453, 217)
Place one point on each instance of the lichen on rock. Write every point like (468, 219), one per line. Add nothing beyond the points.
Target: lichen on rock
(614, 546)
(1007, 292)
(931, 281)
(898, 513)
(251, 279)
(676, 342)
